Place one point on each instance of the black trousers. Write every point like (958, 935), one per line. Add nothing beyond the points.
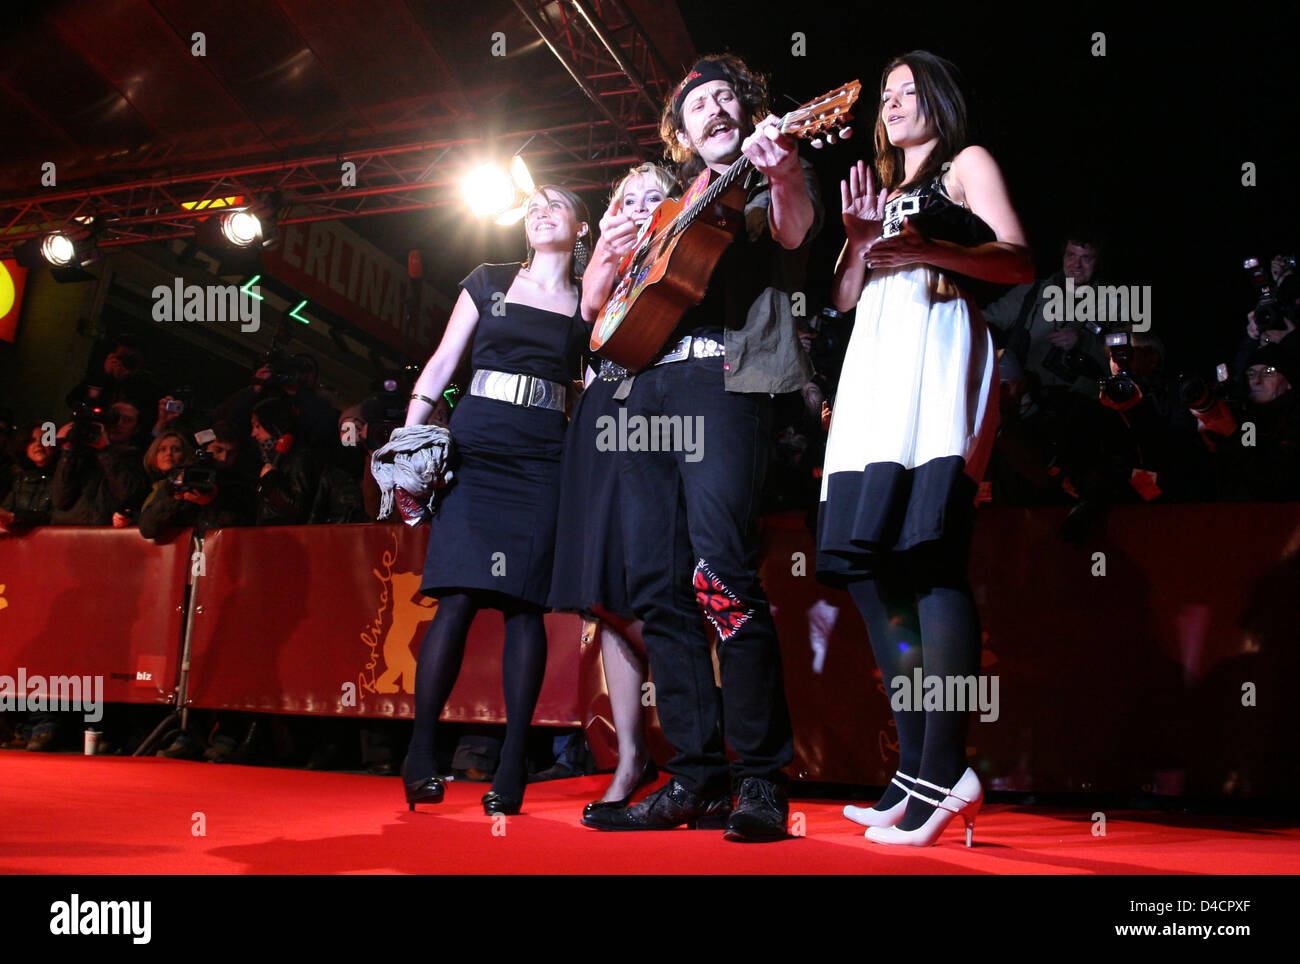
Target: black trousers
(691, 541)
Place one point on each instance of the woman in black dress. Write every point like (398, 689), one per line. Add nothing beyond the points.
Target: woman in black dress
(590, 576)
(492, 538)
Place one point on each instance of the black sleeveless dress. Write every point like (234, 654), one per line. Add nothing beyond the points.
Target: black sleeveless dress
(494, 530)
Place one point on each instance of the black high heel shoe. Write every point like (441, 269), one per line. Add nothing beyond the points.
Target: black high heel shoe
(429, 790)
(649, 774)
(494, 803)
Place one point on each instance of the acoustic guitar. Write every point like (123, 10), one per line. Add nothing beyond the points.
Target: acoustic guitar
(680, 244)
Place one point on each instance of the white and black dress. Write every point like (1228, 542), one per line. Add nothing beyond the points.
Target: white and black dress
(916, 407)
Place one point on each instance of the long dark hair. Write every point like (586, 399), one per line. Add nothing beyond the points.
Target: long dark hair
(942, 104)
(750, 87)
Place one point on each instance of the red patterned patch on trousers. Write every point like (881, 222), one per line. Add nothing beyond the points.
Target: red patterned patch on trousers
(720, 604)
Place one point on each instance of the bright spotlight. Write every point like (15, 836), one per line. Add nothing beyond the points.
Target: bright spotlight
(240, 228)
(58, 250)
(488, 190)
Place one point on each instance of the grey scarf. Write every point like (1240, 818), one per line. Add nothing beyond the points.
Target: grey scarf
(415, 461)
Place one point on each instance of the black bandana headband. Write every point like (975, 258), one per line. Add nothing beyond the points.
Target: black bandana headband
(701, 73)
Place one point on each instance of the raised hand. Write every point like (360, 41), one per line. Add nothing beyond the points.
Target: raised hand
(617, 232)
(863, 207)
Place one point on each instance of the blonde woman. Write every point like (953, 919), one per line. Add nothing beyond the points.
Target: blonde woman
(590, 576)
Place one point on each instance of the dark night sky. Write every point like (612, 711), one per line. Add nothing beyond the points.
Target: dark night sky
(1147, 142)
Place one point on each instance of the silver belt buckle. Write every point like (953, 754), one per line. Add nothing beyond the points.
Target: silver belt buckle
(704, 347)
(679, 351)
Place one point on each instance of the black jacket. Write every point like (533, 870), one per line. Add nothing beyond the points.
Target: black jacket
(163, 514)
(285, 494)
(30, 496)
(90, 485)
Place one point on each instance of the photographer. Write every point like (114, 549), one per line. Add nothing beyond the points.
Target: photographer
(286, 483)
(120, 376)
(1136, 443)
(1256, 442)
(282, 375)
(29, 500)
(1273, 318)
(195, 491)
(99, 479)
(338, 496)
(1057, 356)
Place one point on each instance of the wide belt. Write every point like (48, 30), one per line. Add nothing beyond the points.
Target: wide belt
(692, 347)
(525, 390)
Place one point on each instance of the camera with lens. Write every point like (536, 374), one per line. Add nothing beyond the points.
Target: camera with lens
(1268, 310)
(201, 474)
(90, 411)
(1074, 363)
(1211, 401)
(384, 411)
(1201, 394)
(1120, 387)
(285, 369)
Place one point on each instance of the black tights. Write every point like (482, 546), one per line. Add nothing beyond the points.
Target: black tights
(523, 666)
(920, 612)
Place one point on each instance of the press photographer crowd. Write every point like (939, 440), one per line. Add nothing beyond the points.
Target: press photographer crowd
(1093, 414)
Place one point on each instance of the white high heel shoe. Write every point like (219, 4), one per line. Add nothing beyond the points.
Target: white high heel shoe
(964, 799)
(875, 817)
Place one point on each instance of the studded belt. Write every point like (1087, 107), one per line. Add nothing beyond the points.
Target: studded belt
(526, 390)
(611, 371)
(692, 347)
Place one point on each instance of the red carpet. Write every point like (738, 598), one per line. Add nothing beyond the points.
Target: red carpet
(110, 815)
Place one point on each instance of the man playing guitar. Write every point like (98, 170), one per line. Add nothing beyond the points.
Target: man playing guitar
(690, 523)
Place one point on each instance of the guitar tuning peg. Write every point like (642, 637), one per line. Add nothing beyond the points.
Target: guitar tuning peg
(846, 133)
(817, 143)
(830, 138)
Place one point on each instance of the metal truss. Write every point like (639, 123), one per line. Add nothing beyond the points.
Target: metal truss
(611, 59)
(403, 177)
(600, 44)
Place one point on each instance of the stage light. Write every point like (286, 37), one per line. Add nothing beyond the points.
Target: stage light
(488, 190)
(240, 228)
(58, 250)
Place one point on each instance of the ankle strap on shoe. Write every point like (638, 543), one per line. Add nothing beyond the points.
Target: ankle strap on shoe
(894, 780)
(946, 791)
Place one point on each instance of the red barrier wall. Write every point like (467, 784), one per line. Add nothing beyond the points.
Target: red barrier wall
(327, 620)
(94, 602)
(1158, 656)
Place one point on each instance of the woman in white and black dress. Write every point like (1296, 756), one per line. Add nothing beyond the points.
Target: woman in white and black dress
(914, 418)
(590, 576)
(492, 537)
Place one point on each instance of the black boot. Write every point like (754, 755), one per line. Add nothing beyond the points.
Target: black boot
(762, 812)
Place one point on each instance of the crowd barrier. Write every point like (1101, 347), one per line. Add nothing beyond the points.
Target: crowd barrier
(97, 603)
(1156, 656)
(327, 620)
